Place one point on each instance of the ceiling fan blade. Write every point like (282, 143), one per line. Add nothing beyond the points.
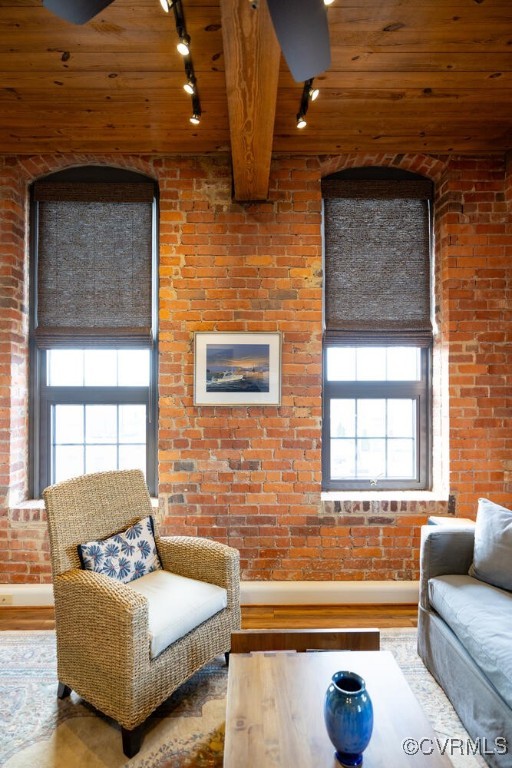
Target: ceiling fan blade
(76, 11)
(303, 33)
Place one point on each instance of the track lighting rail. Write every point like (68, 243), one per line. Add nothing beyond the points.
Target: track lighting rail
(183, 47)
(308, 94)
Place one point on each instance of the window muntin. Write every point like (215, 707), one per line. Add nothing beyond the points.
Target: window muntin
(376, 418)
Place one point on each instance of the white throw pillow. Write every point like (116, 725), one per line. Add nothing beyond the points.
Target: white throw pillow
(126, 555)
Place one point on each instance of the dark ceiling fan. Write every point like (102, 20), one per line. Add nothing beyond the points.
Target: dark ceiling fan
(76, 11)
(300, 25)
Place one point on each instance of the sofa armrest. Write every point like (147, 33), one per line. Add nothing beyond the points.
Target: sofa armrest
(443, 551)
(203, 559)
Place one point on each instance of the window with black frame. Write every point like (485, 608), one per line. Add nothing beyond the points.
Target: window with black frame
(93, 324)
(378, 332)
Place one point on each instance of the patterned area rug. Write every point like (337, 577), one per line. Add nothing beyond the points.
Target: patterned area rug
(38, 731)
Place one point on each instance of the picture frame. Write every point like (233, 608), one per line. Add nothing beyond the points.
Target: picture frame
(237, 368)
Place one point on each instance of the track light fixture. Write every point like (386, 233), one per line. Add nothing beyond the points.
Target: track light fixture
(308, 94)
(190, 85)
(196, 110)
(183, 46)
(168, 4)
(314, 93)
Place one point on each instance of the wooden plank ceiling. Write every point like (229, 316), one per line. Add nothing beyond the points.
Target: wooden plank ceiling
(429, 75)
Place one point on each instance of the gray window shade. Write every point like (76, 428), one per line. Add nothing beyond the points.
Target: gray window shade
(94, 276)
(377, 261)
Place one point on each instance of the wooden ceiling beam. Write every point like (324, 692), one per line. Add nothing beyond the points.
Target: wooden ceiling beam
(252, 56)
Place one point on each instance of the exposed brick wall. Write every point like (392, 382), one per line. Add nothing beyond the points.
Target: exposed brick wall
(250, 476)
(13, 362)
(476, 246)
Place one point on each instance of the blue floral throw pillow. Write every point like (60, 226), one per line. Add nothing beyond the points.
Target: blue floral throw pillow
(126, 556)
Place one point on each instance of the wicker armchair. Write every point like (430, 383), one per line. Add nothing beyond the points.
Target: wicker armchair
(103, 641)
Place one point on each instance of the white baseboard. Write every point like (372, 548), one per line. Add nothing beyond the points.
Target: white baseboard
(328, 592)
(26, 594)
(263, 593)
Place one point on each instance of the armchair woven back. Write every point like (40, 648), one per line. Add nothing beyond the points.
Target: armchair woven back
(92, 507)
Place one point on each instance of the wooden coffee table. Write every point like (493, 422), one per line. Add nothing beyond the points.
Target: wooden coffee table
(274, 715)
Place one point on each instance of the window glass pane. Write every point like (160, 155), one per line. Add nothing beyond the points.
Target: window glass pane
(371, 418)
(69, 462)
(101, 423)
(341, 363)
(371, 459)
(371, 364)
(343, 418)
(385, 439)
(133, 366)
(367, 458)
(100, 368)
(99, 458)
(103, 447)
(343, 458)
(404, 364)
(132, 457)
(69, 424)
(401, 455)
(65, 367)
(401, 418)
(132, 424)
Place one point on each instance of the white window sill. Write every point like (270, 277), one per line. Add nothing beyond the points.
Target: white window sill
(30, 504)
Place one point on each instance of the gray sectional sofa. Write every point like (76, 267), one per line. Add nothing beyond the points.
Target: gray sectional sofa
(465, 630)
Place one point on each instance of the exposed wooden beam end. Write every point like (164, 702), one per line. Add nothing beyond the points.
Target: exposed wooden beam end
(252, 57)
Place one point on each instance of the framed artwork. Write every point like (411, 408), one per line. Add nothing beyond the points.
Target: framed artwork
(237, 368)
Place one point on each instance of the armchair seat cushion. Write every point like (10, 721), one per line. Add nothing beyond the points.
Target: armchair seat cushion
(176, 605)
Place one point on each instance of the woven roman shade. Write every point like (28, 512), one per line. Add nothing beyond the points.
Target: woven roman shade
(134, 192)
(377, 261)
(94, 264)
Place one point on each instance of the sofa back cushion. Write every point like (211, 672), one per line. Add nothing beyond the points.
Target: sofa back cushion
(492, 558)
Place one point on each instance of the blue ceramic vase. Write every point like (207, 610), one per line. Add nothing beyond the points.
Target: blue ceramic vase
(348, 714)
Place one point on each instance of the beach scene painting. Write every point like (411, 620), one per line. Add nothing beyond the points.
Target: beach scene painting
(237, 368)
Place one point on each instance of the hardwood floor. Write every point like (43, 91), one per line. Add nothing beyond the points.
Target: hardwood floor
(25, 617)
(257, 616)
(322, 616)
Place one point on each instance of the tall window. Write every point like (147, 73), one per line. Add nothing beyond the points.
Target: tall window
(378, 333)
(93, 324)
